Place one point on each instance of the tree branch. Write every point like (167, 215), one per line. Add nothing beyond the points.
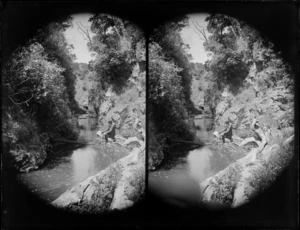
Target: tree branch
(200, 31)
(23, 102)
(84, 31)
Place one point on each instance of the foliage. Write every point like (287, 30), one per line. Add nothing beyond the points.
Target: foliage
(266, 175)
(95, 96)
(242, 62)
(175, 50)
(118, 45)
(165, 86)
(37, 94)
(22, 132)
(165, 82)
(197, 70)
(212, 94)
(52, 38)
(227, 64)
(229, 69)
(31, 79)
(224, 194)
(168, 108)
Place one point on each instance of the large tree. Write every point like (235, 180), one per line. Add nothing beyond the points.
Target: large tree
(227, 65)
(118, 46)
(55, 44)
(39, 81)
(169, 38)
(169, 88)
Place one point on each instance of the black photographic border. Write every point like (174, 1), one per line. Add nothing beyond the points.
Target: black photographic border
(276, 208)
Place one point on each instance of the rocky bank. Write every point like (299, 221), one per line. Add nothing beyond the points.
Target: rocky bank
(117, 187)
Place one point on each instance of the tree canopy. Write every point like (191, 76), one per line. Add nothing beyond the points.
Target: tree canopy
(118, 45)
(39, 81)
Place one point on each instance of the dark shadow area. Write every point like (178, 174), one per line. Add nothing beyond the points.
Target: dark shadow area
(276, 208)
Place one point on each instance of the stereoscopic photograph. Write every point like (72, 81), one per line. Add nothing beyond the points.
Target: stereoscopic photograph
(128, 114)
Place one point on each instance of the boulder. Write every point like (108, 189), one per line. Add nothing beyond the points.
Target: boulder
(222, 107)
(242, 180)
(25, 161)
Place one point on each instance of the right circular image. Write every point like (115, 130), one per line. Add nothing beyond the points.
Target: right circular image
(221, 112)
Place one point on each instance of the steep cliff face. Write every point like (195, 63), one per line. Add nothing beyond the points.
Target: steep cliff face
(127, 109)
(262, 116)
(272, 106)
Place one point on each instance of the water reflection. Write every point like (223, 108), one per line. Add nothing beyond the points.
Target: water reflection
(83, 163)
(199, 163)
(205, 128)
(178, 182)
(88, 129)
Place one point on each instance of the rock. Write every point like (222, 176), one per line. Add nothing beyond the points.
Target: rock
(289, 140)
(130, 187)
(222, 107)
(243, 191)
(25, 161)
(252, 71)
(239, 182)
(99, 133)
(216, 134)
(270, 152)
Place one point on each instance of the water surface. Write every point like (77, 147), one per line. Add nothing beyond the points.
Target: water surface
(67, 168)
(177, 180)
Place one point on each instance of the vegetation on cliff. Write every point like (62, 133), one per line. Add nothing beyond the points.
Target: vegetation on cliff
(169, 90)
(38, 96)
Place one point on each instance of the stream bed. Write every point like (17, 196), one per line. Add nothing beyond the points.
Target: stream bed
(66, 168)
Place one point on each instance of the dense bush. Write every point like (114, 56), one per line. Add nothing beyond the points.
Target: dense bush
(36, 86)
(176, 51)
(38, 91)
(52, 38)
(167, 105)
(118, 45)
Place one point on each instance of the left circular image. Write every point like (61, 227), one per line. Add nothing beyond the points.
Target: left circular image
(73, 113)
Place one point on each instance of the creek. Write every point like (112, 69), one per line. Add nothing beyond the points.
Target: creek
(67, 167)
(177, 179)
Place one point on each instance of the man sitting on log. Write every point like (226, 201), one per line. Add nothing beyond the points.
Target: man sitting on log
(111, 131)
(227, 133)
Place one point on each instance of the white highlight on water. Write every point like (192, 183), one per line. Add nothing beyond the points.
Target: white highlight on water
(199, 163)
(83, 161)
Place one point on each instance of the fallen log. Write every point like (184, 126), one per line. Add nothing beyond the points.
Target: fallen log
(72, 142)
(249, 140)
(185, 142)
